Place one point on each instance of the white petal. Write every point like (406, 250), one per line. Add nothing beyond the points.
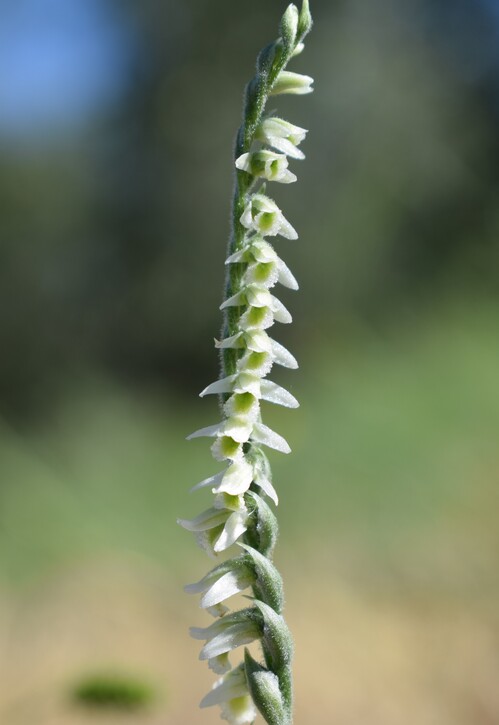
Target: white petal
(231, 638)
(247, 383)
(243, 163)
(236, 300)
(267, 487)
(262, 275)
(206, 520)
(206, 539)
(247, 216)
(229, 584)
(286, 230)
(289, 82)
(236, 257)
(220, 695)
(231, 686)
(281, 314)
(282, 356)
(209, 432)
(273, 393)
(258, 296)
(285, 145)
(211, 481)
(263, 434)
(285, 276)
(286, 177)
(299, 49)
(220, 664)
(239, 428)
(256, 363)
(234, 341)
(263, 251)
(258, 341)
(237, 478)
(268, 228)
(264, 203)
(239, 711)
(233, 529)
(251, 321)
(230, 503)
(224, 385)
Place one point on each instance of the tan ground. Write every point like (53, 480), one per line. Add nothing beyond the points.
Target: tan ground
(361, 659)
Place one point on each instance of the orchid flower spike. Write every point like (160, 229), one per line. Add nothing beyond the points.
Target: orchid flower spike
(240, 513)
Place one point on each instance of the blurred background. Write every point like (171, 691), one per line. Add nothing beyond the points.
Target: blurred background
(117, 121)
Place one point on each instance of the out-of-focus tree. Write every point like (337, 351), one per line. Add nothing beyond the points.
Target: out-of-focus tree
(103, 225)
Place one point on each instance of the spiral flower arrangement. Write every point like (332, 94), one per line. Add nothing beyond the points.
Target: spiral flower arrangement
(241, 513)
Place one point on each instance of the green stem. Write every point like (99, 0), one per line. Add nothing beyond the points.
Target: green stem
(257, 95)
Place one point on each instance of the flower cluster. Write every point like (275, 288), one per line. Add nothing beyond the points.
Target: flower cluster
(239, 513)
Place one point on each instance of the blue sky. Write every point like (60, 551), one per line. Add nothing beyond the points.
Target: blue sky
(59, 61)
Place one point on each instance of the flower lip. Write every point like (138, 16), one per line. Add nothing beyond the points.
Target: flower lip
(266, 165)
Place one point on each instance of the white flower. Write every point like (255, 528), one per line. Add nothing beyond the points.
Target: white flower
(231, 692)
(231, 577)
(281, 135)
(254, 296)
(235, 480)
(264, 216)
(296, 83)
(261, 389)
(261, 252)
(266, 165)
(237, 427)
(228, 633)
(264, 274)
(267, 437)
(217, 528)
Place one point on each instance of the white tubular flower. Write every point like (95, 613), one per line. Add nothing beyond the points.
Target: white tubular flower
(295, 83)
(266, 165)
(281, 135)
(232, 694)
(262, 215)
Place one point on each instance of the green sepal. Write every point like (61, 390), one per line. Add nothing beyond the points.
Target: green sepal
(288, 28)
(305, 20)
(266, 59)
(268, 586)
(264, 689)
(262, 536)
(277, 641)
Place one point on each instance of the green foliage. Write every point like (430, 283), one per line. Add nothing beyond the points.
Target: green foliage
(113, 691)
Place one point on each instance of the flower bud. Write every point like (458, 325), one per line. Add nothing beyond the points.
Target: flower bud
(289, 27)
(281, 135)
(295, 83)
(305, 20)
